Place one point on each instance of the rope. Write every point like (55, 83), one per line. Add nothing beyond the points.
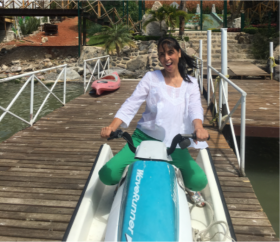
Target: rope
(271, 66)
(201, 235)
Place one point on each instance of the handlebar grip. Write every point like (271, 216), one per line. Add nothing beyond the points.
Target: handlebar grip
(194, 136)
(112, 136)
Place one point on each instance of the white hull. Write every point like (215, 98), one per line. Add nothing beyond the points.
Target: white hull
(91, 219)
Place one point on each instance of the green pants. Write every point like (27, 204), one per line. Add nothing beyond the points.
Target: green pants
(194, 177)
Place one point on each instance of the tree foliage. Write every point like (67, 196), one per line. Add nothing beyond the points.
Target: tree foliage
(115, 37)
(168, 13)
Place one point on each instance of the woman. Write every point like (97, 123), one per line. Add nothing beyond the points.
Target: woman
(173, 106)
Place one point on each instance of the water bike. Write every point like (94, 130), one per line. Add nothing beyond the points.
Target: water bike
(150, 202)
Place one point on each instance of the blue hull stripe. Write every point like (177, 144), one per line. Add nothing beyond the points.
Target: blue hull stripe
(149, 209)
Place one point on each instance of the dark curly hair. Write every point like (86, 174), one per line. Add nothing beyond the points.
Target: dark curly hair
(183, 60)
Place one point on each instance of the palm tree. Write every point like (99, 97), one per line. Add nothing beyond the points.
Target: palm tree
(172, 15)
(157, 16)
(182, 19)
(116, 36)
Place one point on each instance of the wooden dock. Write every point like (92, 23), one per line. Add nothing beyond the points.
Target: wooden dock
(44, 169)
(262, 106)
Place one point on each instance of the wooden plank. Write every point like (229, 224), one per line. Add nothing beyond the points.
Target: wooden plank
(32, 233)
(245, 207)
(6, 238)
(35, 216)
(242, 201)
(243, 214)
(254, 230)
(243, 237)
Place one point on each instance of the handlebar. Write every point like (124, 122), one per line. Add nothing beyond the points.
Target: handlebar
(182, 139)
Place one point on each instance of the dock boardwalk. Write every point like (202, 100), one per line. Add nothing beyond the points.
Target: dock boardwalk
(262, 106)
(44, 169)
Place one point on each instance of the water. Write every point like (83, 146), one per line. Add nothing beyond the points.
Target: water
(10, 125)
(262, 168)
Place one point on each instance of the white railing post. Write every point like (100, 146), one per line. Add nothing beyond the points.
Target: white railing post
(201, 66)
(271, 56)
(98, 74)
(64, 85)
(85, 75)
(220, 103)
(243, 134)
(108, 64)
(224, 63)
(209, 71)
(31, 100)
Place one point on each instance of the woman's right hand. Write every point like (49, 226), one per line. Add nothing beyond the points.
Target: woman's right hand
(106, 131)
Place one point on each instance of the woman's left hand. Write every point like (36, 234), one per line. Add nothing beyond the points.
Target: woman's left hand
(201, 135)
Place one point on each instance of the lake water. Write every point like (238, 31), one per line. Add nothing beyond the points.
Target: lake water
(262, 168)
(21, 107)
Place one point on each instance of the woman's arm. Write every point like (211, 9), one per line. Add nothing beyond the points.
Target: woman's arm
(201, 133)
(129, 108)
(106, 131)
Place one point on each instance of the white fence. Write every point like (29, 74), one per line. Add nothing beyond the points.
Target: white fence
(198, 72)
(99, 72)
(220, 104)
(31, 78)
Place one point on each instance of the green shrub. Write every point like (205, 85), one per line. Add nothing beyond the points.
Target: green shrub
(215, 30)
(260, 43)
(250, 30)
(186, 38)
(146, 38)
(93, 28)
(28, 25)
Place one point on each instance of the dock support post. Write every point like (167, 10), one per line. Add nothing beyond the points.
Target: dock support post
(31, 100)
(209, 71)
(271, 58)
(201, 66)
(85, 75)
(242, 135)
(224, 67)
(64, 85)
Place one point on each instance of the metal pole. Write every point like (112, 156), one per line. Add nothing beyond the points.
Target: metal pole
(209, 71)
(242, 21)
(139, 10)
(271, 55)
(64, 87)
(201, 15)
(201, 66)
(225, 14)
(31, 100)
(224, 65)
(123, 8)
(98, 68)
(127, 13)
(242, 134)
(79, 49)
(220, 103)
(85, 75)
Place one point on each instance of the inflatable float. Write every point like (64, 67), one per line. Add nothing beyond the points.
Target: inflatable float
(107, 83)
(149, 203)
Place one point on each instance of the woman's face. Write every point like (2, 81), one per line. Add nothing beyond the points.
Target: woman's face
(169, 58)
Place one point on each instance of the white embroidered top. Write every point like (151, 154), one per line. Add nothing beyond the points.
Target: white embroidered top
(169, 110)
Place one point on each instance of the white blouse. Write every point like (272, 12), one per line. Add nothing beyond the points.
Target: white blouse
(169, 110)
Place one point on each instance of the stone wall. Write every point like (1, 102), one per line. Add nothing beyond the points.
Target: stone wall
(149, 3)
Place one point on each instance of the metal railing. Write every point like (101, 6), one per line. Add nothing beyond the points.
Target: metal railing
(223, 106)
(32, 77)
(198, 72)
(98, 72)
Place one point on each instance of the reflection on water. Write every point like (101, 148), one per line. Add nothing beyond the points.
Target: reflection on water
(262, 168)
(10, 125)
